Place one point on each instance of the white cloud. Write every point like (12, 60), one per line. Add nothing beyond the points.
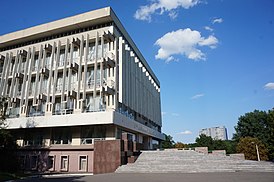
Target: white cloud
(208, 28)
(269, 86)
(145, 12)
(211, 41)
(183, 42)
(197, 96)
(173, 14)
(186, 132)
(217, 20)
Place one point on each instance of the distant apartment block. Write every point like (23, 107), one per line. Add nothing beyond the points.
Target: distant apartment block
(218, 133)
(82, 98)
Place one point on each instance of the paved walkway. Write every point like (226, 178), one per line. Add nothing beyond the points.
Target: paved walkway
(168, 177)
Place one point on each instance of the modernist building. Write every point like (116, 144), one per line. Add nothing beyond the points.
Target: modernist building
(74, 82)
(218, 133)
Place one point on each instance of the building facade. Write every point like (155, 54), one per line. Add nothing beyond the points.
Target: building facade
(217, 133)
(73, 83)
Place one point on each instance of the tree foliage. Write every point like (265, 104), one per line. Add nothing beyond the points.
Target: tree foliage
(247, 145)
(8, 159)
(213, 144)
(168, 142)
(3, 108)
(257, 124)
(179, 145)
(204, 141)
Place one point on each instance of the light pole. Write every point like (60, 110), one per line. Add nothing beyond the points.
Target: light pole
(257, 150)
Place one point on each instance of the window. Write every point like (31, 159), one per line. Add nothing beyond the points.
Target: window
(83, 163)
(64, 163)
(51, 163)
(33, 162)
(22, 160)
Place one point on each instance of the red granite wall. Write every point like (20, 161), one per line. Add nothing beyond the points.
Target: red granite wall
(107, 156)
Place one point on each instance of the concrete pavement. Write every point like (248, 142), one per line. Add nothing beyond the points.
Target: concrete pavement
(167, 177)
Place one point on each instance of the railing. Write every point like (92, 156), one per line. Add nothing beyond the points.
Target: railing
(63, 111)
(32, 143)
(95, 106)
(13, 112)
(34, 114)
(36, 111)
(85, 141)
(91, 83)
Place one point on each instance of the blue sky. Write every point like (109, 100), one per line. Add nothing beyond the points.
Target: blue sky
(214, 58)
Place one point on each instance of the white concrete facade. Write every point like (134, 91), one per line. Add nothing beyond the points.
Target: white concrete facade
(218, 133)
(83, 70)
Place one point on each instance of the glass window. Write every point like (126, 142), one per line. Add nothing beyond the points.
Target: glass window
(33, 162)
(51, 162)
(64, 163)
(83, 163)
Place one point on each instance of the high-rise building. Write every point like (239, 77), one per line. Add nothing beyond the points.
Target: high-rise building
(218, 133)
(81, 95)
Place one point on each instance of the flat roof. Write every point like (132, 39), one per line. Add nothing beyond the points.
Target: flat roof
(95, 17)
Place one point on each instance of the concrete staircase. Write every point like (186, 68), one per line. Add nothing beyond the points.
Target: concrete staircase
(188, 161)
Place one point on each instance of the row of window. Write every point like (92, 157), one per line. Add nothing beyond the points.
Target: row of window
(55, 36)
(31, 163)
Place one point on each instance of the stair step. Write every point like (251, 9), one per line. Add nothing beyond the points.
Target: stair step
(190, 162)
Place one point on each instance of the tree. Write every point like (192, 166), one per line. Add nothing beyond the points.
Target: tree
(204, 141)
(3, 109)
(270, 122)
(8, 159)
(230, 146)
(247, 145)
(179, 145)
(257, 124)
(253, 124)
(168, 142)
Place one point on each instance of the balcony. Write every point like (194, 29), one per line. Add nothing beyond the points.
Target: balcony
(36, 110)
(91, 84)
(63, 108)
(13, 112)
(33, 142)
(94, 105)
(85, 141)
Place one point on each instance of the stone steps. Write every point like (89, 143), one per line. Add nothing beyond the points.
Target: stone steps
(191, 162)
